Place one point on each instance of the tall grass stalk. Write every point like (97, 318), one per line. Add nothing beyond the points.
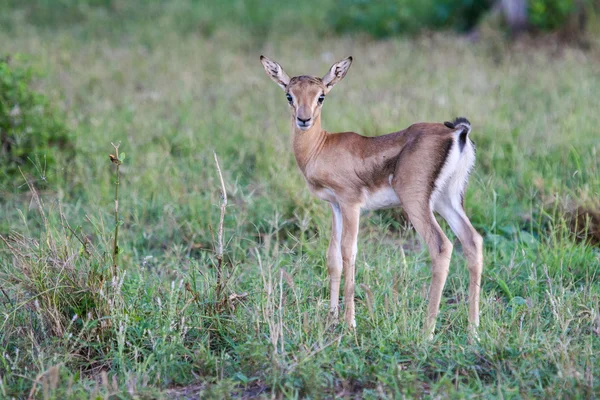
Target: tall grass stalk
(117, 161)
(219, 252)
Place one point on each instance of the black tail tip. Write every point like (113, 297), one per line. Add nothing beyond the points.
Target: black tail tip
(461, 120)
(457, 121)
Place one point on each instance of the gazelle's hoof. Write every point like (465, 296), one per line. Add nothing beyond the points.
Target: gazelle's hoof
(351, 321)
(333, 316)
(428, 333)
(473, 335)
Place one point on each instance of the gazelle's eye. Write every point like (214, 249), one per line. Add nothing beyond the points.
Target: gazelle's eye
(321, 99)
(289, 98)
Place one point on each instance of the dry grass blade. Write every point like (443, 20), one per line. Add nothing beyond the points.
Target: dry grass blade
(219, 251)
(223, 206)
(288, 279)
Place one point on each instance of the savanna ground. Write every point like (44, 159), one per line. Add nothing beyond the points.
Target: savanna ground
(171, 93)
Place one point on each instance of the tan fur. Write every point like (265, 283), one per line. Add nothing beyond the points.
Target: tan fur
(351, 172)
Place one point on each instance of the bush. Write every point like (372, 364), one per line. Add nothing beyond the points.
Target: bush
(31, 131)
(390, 17)
(57, 292)
(550, 14)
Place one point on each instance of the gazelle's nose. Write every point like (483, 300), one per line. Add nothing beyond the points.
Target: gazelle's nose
(304, 121)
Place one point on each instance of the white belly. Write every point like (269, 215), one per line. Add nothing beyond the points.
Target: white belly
(384, 197)
(325, 194)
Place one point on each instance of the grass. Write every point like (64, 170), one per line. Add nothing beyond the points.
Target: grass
(170, 97)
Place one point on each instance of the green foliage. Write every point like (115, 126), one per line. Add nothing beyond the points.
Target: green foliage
(391, 17)
(33, 135)
(56, 12)
(60, 275)
(115, 17)
(550, 14)
(260, 18)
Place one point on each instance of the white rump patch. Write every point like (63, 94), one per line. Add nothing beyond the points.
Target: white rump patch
(450, 184)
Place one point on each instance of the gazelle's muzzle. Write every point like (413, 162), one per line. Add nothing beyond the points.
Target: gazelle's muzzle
(304, 118)
(303, 123)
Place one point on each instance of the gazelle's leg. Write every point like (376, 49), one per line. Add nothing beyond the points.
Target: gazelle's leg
(350, 222)
(454, 214)
(440, 250)
(334, 259)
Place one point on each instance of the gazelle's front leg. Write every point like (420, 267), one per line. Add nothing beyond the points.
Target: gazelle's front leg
(350, 222)
(334, 259)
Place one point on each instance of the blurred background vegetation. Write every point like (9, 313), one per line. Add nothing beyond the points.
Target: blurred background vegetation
(378, 18)
(24, 112)
(174, 80)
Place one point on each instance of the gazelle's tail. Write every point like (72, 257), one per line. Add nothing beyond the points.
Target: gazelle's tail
(465, 128)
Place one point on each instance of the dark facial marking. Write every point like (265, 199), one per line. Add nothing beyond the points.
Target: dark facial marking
(306, 78)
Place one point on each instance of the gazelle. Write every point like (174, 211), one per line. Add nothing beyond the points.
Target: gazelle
(423, 168)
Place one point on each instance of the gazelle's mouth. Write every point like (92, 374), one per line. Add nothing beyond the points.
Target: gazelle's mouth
(303, 125)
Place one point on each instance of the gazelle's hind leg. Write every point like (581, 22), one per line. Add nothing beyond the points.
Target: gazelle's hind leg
(451, 209)
(440, 249)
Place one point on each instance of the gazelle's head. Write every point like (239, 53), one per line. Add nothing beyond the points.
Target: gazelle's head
(305, 94)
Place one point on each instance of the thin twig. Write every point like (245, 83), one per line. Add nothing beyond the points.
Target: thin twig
(115, 160)
(281, 310)
(219, 254)
(80, 240)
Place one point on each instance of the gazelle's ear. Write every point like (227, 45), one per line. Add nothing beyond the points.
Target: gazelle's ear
(275, 71)
(336, 73)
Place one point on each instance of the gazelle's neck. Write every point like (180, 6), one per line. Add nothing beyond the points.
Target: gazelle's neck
(308, 143)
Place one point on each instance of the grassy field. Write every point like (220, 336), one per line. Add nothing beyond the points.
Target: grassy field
(171, 93)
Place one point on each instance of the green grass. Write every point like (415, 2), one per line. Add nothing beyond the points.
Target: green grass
(171, 97)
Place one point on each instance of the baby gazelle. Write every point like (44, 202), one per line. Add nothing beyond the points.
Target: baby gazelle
(423, 168)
